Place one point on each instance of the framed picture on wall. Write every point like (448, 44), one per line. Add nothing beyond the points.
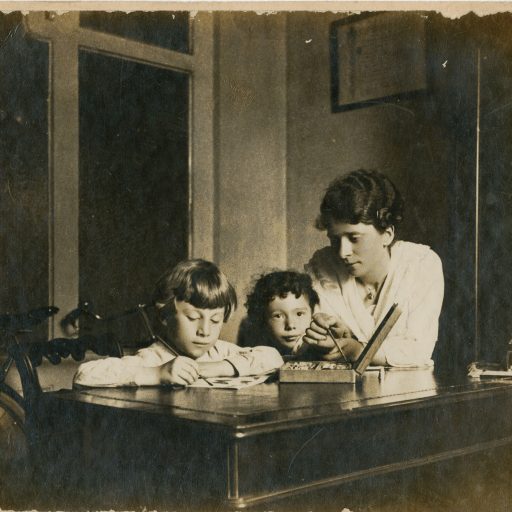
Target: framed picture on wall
(377, 58)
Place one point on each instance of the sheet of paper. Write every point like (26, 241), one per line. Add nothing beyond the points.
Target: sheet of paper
(229, 382)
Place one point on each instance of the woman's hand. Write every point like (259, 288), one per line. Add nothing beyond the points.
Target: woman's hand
(181, 370)
(317, 335)
(351, 350)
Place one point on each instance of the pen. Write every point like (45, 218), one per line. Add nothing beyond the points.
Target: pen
(210, 383)
(338, 346)
(152, 335)
(177, 355)
(156, 337)
(166, 345)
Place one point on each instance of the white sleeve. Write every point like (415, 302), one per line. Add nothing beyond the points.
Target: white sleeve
(249, 360)
(414, 345)
(116, 372)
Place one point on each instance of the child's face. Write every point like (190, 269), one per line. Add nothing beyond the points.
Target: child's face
(193, 331)
(288, 318)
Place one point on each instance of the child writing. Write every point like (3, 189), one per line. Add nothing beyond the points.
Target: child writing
(279, 310)
(193, 300)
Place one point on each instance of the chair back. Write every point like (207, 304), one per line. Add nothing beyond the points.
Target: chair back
(47, 443)
(27, 355)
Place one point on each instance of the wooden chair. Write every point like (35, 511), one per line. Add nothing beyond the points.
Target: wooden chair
(27, 356)
(31, 440)
(48, 444)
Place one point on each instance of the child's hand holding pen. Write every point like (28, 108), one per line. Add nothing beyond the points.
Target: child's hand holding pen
(181, 370)
(333, 338)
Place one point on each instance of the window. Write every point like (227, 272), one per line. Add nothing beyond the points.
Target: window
(129, 184)
(24, 200)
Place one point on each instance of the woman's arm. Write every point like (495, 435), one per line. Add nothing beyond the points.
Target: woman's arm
(413, 346)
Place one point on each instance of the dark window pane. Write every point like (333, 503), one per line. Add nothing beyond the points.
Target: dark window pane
(166, 29)
(23, 168)
(133, 178)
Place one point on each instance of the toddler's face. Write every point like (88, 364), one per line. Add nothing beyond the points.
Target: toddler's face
(288, 318)
(193, 331)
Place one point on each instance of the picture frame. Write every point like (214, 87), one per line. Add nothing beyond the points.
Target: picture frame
(377, 58)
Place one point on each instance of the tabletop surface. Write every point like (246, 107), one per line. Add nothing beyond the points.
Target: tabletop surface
(274, 404)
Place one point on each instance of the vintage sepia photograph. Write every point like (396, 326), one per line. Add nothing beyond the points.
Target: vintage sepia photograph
(255, 260)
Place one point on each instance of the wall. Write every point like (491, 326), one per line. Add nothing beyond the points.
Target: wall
(250, 148)
(323, 145)
(495, 226)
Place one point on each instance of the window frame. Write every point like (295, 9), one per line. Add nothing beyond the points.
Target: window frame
(66, 38)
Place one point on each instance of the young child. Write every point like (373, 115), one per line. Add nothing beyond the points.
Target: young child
(279, 310)
(193, 300)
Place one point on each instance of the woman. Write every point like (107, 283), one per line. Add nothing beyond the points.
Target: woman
(365, 270)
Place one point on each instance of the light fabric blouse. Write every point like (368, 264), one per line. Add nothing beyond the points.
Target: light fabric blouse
(114, 371)
(414, 281)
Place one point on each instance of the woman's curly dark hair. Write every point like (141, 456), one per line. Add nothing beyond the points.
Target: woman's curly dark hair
(365, 196)
(278, 284)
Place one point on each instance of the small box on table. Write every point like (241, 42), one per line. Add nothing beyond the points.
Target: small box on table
(316, 371)
(325, 371)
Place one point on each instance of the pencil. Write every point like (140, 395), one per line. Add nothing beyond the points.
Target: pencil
(166, 345)
(177, 355)
(152, 335)
(155, 337)
(338, 346)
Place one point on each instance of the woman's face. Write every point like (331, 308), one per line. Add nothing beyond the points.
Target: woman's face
(361, 247)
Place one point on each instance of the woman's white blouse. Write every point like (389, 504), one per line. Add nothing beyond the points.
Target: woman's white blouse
(414, 281)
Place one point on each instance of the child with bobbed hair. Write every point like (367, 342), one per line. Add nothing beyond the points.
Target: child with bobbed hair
(279, 310)
(192, 301)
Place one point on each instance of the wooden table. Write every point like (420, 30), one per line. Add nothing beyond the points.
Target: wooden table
(276, 440)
